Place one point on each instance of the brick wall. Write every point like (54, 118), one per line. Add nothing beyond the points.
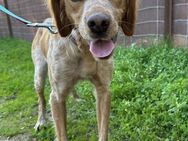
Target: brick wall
(150, 22)
(33, 10)
(3, 23)
(150, 19)
(180, 25)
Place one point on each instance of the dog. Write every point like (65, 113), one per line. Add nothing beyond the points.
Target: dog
(82, 49)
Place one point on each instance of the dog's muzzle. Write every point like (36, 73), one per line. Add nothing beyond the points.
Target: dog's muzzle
(98, 24)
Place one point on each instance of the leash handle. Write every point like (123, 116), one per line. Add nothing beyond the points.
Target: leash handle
(50, 27)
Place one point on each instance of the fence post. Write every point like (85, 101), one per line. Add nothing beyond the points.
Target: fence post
(168, 21)
(8, 20)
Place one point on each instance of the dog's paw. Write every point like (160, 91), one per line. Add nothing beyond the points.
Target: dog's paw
(40, 123)
(78, 99)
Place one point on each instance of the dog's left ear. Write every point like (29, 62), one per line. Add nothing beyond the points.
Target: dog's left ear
(58, 12)
(129, 17)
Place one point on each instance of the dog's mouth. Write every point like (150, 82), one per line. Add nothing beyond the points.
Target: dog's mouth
(102, 49)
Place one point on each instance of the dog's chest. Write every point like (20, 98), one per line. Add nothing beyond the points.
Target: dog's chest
(87, 67)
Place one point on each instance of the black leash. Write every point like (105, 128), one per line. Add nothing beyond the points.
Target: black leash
(50, 27)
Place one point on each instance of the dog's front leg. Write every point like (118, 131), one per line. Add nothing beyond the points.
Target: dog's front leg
(102, 82)
(103, 112)
(58, 105)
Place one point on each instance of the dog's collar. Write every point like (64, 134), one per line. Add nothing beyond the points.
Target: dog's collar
(73, 37)
(114, 39)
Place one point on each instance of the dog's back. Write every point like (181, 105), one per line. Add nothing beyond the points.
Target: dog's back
(41, 39)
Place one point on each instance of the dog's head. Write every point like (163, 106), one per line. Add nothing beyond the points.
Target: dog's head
(98, 21)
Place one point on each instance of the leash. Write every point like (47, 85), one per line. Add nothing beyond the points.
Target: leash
(50, 27)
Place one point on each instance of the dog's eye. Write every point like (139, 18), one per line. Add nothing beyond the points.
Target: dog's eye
(75, 0)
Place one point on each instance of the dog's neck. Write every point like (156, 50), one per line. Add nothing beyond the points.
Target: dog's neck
(77, 39)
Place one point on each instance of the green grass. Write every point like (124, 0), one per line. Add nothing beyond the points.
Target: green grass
(149, 96)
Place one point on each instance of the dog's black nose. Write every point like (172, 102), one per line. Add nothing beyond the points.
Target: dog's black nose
(98, 23)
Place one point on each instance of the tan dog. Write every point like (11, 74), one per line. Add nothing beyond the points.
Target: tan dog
(91, 27)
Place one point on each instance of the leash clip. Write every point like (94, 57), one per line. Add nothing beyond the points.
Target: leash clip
(50, 27)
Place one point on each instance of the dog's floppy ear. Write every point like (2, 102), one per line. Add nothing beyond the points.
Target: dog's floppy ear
(129, 17)
(58, 12)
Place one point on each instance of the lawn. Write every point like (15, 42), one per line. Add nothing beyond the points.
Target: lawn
(149, 96)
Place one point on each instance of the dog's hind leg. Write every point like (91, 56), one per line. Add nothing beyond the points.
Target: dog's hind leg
(39, 80)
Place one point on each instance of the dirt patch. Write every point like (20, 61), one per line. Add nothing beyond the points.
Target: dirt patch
(23, 137)
(2, 100)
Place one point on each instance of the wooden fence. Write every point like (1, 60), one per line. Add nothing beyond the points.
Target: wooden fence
(156, 19)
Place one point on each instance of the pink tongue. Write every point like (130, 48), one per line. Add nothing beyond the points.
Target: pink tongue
(101, 48)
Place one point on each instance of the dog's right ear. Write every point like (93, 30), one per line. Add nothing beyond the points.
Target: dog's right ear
(129, 17)
(58, 12)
